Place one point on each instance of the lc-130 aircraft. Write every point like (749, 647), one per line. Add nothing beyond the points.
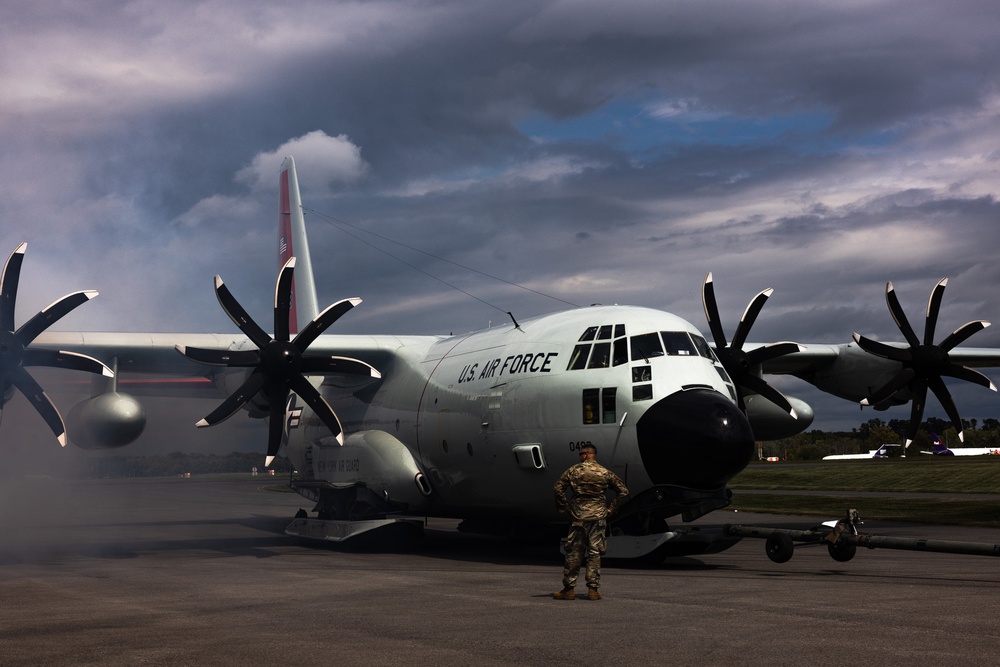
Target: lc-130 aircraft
(478, 426)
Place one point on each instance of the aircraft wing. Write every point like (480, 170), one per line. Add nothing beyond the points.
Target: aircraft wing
(157, 353)
(886, 374)
(141, 352)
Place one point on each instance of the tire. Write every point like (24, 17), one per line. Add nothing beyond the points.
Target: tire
(779, 547)
(842, 551)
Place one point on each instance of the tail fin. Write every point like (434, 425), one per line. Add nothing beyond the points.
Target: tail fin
(292, 242)
(939, 447)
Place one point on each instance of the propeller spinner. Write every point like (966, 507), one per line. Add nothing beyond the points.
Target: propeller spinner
(279, 364)
(14, 352)
(743, 366)
(924, 363)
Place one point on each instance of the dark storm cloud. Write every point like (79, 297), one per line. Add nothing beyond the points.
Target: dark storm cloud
(598, 152)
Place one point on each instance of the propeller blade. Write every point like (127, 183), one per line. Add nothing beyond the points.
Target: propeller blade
(886, 391)
(315, 400)
(944, 398)
(749, 317)
(916, 410)
(933, 309)
(237, 400)
(962, 334)
(238, 315)
(759, 386)
(233, 358)
(8, 287)
(883, 350)
(969, 375)
(275, 424)
(899, 316)
(63, 359)
(773, 351)
(51, 314)
(26, 384)
(283, 301)
(712, 312)
(337, 366)
(321, 322)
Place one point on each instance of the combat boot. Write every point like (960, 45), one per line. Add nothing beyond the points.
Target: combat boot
(565, 594)
(593, 594)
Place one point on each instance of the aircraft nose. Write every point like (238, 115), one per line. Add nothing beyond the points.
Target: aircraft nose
(695, 439)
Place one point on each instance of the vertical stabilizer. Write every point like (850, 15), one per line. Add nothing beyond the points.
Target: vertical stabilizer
(292, 242)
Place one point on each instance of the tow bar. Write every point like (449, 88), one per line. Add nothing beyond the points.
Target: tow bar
(843, 539)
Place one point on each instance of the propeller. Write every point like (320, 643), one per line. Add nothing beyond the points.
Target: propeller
(15, 354)
(279, 364)
(743, 366)
(924, 363)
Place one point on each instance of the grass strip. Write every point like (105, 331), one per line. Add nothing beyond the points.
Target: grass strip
(939, 475)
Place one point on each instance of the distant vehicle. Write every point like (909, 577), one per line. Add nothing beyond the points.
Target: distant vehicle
(880, 453)
(941, 449)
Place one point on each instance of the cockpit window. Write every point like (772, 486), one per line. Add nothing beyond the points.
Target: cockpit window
(703, 347)
(588, 354)
(646, 346)
(601, 356)
(677, 343)
(621, 352)
(578, 359)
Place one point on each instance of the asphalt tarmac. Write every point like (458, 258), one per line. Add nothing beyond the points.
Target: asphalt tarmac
(199, 572)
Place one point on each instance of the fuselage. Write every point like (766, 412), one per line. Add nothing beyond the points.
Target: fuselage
(492, 418)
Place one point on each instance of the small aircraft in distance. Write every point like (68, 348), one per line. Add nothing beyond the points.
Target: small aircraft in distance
(880, 453)
(941, 449)
(478, 426)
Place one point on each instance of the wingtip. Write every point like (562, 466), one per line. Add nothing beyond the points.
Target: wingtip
(202, 423)
(268, 460)
(62, 439)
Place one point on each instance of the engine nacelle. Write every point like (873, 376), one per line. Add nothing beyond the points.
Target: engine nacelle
(106, 421)
(379, 462)
(769, 422)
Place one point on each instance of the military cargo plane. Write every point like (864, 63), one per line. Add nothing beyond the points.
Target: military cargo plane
(478, 426)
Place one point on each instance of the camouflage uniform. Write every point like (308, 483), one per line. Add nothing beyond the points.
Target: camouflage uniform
(588, 510)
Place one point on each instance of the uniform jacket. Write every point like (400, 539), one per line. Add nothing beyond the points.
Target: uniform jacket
(588, 481)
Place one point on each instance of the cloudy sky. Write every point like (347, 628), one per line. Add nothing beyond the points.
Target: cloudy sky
(595, 152)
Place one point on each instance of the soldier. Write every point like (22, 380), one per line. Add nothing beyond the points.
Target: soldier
(588, 509)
